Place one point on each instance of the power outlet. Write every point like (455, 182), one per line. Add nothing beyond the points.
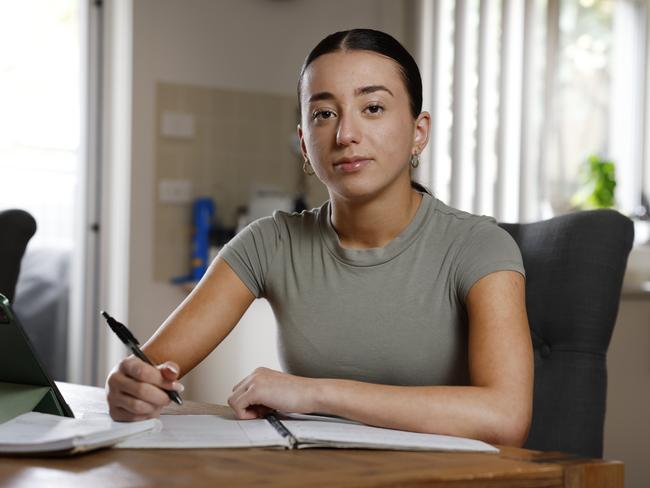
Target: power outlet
(175, 191)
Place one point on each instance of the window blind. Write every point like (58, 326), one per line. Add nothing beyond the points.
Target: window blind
(501, 142)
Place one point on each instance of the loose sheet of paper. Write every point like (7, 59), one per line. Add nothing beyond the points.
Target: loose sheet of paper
(206, 431)
(345, 434)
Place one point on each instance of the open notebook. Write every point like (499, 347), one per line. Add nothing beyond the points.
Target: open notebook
(34, 432)
(291, 432)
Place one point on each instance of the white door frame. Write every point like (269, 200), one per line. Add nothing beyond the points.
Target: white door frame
(101, 267)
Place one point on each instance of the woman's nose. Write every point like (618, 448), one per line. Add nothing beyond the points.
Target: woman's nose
(348, 131)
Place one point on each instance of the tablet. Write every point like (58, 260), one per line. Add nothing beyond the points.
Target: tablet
(24, 382)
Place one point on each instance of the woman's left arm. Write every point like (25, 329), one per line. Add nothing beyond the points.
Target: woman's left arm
(496, 407)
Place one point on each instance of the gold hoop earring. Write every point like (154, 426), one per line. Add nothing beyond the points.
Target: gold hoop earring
(307, 169)
(415, 160)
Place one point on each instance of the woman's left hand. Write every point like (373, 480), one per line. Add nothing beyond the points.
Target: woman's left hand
(265, 390)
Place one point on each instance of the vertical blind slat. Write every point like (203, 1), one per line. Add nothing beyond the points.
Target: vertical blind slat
(527, 187)
(501, 131)
(484, 160)
(441, 100)
(507, 191)
(459, 106)
(426, 60)
(641, 74)
(645, 135)
(548, 110)
(437, 72)
(626, 117)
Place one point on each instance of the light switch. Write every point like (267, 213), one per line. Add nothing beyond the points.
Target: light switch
(177, 124)
(175, 191)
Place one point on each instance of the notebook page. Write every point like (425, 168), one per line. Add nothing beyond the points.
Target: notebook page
(40, 432)
(338, 434)
(206, 431)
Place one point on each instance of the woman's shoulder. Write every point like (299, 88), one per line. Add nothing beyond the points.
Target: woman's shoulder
(289, 224)
(477, 244)
(298, 218)
(459, 223)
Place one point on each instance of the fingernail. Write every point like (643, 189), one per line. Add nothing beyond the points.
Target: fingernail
(178, 387)
(172, 368)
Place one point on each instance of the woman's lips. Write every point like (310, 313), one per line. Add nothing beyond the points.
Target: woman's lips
(352, 165)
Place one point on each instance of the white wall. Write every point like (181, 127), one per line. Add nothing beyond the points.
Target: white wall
(256, 45)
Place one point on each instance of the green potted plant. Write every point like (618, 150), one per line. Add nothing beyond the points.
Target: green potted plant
(599, 183)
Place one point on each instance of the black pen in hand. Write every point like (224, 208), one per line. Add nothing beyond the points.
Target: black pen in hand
(132, 343)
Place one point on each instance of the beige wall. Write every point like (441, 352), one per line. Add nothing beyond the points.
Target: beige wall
(627, 423)
(240, 141)
(249, 45)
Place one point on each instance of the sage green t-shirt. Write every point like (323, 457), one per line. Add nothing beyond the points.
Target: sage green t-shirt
(391, 315)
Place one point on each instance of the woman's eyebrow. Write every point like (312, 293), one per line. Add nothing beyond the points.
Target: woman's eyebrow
(321, 96)
(364, 90)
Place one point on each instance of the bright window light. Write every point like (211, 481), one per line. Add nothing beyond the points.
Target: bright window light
(40, 113)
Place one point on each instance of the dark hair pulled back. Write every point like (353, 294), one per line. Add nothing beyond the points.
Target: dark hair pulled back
(375, 41)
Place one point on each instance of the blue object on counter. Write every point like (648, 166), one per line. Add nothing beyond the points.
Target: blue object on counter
(202, 216)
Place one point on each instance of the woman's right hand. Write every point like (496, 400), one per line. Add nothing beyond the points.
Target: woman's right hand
(134, 389)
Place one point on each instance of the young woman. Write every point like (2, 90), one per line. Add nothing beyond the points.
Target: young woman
(393, 309)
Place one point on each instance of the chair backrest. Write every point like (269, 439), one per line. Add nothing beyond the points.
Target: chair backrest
(574, 273)
(16, 229)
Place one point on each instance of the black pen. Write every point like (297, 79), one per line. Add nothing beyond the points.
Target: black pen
(132, 343)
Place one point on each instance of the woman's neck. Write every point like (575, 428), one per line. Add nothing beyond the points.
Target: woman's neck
(376, 222)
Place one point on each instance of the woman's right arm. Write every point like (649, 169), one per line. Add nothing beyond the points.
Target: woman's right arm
(189, 334)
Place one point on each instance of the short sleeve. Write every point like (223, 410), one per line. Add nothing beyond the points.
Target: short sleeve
(251, 252)
(486, 248)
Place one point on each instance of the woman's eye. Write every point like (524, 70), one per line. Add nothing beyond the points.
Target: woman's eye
(375, 109)
(322, 114)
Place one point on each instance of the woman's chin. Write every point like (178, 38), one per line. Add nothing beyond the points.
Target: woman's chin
(355, 191)
(361, 187)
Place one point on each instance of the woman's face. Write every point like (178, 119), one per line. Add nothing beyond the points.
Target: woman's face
(356, 124)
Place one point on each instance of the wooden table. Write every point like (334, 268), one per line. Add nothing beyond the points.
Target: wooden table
(512, 467)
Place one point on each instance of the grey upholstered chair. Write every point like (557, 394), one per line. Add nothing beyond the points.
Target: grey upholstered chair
(574, 265)
(16, 229)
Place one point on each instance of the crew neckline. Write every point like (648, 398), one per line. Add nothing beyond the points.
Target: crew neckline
(376, 255)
